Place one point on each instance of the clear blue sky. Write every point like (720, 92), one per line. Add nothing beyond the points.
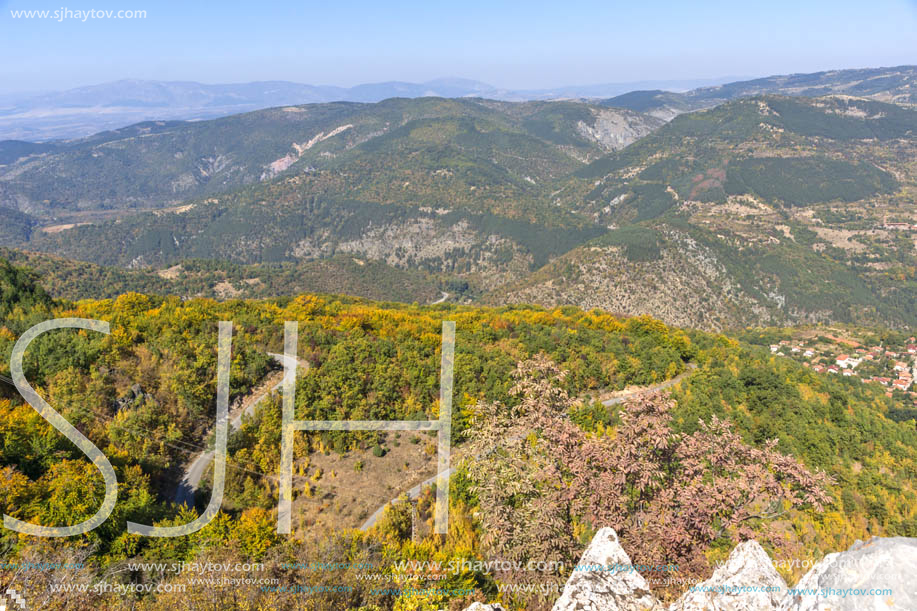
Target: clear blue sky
(506, 43)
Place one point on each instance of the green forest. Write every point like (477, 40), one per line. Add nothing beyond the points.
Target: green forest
(145, 395)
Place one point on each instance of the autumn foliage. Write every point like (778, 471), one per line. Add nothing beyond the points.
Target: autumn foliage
(543, 482)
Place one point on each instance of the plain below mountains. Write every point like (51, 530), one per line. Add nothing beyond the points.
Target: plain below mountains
(81, 112)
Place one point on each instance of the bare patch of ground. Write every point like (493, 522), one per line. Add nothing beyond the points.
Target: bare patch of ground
(171, 273)
(225, 290)
(352, 486)
(173, 210)
(840, 238)
(59, 228)
(787, 232)
(744, 205)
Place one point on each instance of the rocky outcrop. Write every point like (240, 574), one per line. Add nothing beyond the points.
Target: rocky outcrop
(747, 581)
(686, 284)
(614, 128)
(603, 580)
(878, 574)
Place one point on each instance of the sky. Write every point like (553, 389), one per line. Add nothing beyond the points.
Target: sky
(506, 43)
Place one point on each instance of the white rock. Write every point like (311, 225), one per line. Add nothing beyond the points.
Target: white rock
(483, 607)
(746, 582)
(596, 588)
(855, 580)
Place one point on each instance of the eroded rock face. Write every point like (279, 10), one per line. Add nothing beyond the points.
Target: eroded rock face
(878, 574)
(854, 580)
(598, 586)
(746, 582)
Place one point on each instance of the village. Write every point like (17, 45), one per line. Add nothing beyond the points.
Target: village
(892, 366)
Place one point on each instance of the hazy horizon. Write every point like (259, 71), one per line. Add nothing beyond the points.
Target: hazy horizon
(701, 82)
(509, 46)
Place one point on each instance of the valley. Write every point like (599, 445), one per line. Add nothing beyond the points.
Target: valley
(763, 210)
(682, 319)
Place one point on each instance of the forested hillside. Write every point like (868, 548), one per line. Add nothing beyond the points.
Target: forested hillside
(350, 150)
(768, 209)
(145, 395)
(224, 280)
(883, 84)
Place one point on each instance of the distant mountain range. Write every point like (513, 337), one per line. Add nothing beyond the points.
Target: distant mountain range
(84, 111)
(898, 85)
(781, 200)
(161, 163)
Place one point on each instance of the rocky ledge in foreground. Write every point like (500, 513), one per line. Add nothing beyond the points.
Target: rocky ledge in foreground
(878, 574)
(883, 564)
(596, 590)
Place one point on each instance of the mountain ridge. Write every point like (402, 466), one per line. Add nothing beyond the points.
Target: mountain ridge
(158, 164)
(85, 111)
(763, 210)
(890, 84)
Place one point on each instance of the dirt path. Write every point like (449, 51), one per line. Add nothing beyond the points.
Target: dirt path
(619, 397)
(191, 479)
(628, 393)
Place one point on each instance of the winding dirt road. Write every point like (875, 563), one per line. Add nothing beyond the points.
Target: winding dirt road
(624, 395)
(191, 479)
(619, 397)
